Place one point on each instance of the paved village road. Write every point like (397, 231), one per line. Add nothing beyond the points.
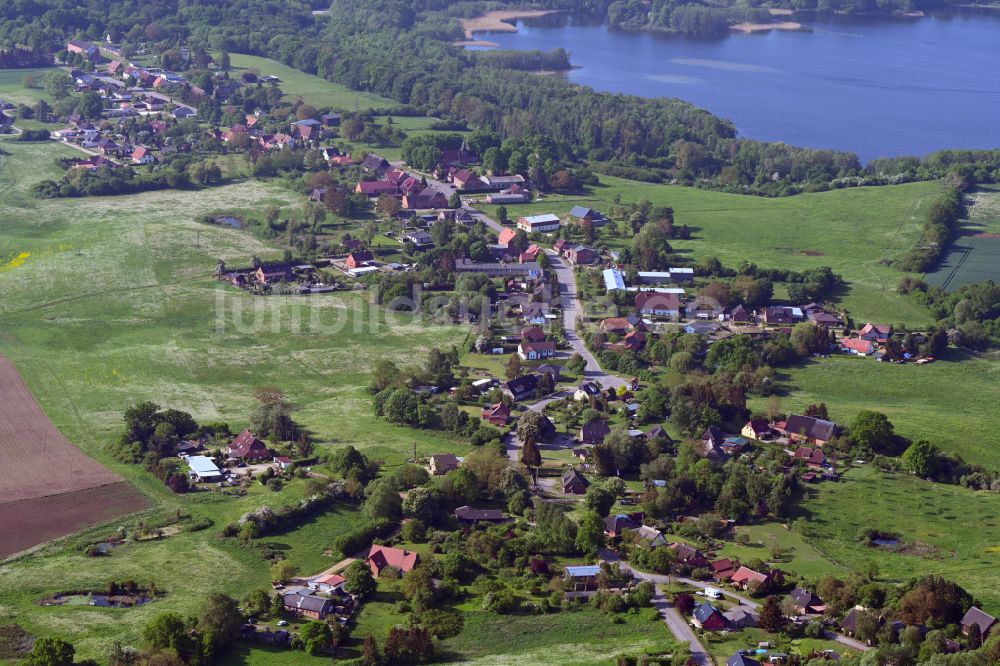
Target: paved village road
(611, 556)
(678, 626)
(572, 311)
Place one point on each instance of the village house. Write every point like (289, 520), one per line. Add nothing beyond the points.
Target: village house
(375, 188)
(823, 318)
(741, 618)
(744, 576)
(722, 570)
(739, 314)
(976, 616)
(531, 270)
(806, 602)
(531, 254)
(532, 333)
(616, 325)
(634, 340)
(687, 555)
(580, 255)
(708, 618)
(328, 583)
(382, 557)
(497, 414)
(782, 315)
(809, 429)
(143, 155)
(248, 448)
(534, 351)
(443, 463)
(586, 391)
(470, 516)
(581, 213)
(512, 195)
(521, 387)
(594, 433)
(464, 179)
(654, 303)
(86, 49)
(741, 659)
(814, 458)
(506, 236)
(550, 369)
(879, 333)
(583, 578)
(573, 483)
(283, 463)
(203, 469)
(857, 346)
(651, 535)
(302, 603)
(359, 258)
(757, 428)
(538, 223)
(615, 526)
(424, 199)
(375, 164)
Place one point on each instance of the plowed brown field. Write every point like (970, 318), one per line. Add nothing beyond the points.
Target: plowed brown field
(48, 487)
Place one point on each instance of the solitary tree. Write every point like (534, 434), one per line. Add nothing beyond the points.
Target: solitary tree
(771, 617)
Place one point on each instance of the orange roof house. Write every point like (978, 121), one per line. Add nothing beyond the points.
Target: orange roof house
(382, 557)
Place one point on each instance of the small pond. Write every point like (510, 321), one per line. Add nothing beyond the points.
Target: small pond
(93, 599)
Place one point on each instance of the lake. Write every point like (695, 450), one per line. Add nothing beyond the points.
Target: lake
(876, 87)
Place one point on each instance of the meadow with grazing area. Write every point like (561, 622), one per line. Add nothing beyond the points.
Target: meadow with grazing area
(945, 530)
(952, 402)
(851, 230)
(312, 89)
(974, 256)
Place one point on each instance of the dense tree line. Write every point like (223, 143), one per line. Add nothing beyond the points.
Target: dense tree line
(940, 226)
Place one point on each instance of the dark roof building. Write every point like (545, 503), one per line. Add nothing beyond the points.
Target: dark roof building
(807, 427)
(979, 617)
(467, 514)
(573, 482)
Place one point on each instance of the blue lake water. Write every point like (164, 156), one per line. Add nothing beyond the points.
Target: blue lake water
(905, 86)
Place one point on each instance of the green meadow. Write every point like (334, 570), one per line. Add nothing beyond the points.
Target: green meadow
(852, 230)
(952, 402)
(946, 530)
(312, 89)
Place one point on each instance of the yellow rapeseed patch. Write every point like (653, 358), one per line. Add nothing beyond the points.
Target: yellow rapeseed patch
(16, 262)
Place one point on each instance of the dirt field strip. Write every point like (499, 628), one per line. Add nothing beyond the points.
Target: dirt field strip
(48, 487)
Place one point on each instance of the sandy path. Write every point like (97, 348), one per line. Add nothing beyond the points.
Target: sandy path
(497, 21)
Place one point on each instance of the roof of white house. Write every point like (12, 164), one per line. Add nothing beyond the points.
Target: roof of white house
(541, 219)
(613, 279)
(202, 465)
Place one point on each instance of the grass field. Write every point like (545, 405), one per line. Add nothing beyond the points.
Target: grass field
(313, 89)
(957, 529)
(13, 91)
(951, 402)
(850, 230)
(579, 638)
(975, 255)
(113, 304)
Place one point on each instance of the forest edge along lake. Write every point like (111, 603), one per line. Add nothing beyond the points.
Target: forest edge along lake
(875, 86)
